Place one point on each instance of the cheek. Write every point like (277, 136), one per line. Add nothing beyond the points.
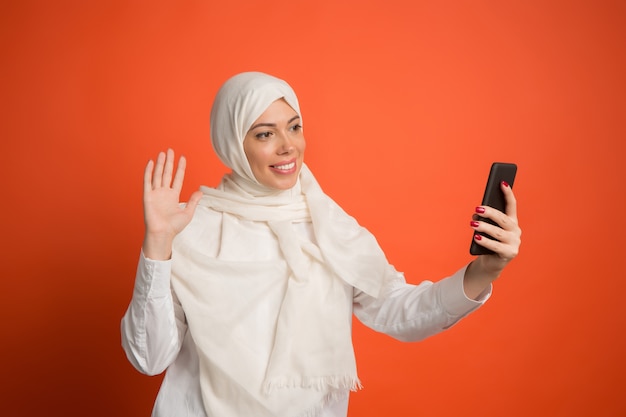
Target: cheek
(252, 153)
(247, 151)
(259, 157)
(253, 159)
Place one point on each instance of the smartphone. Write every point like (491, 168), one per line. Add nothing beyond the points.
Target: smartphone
(493, 197)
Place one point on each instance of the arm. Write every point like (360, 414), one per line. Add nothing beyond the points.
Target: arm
(154, 325)
(414, 312)
(487, 268)
(411, 313)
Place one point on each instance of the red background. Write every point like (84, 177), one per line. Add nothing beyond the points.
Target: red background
(405, 104)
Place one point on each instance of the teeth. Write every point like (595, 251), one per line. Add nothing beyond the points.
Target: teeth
(286, 166)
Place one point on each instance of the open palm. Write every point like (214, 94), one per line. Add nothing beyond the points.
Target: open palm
(164, 214)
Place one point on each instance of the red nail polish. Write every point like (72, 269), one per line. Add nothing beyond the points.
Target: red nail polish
(474, 224)
(478, 237)
(480, 209)
(506, 184)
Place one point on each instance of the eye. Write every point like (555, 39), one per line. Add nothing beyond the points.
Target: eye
(296, 128)
(263, 135)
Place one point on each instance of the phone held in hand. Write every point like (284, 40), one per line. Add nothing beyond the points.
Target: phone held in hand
(493, 197)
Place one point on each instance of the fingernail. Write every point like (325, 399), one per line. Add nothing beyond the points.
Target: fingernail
(478, 237)
(480, 209)
(506, 184)
(474, 224)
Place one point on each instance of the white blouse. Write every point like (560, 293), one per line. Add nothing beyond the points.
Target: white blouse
(155, 335)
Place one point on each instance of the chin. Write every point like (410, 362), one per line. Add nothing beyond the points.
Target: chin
(284, 183)
(283, 186)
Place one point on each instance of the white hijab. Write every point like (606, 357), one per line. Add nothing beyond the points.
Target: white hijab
(312, 360)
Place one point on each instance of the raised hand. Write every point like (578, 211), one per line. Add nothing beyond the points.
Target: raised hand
(164, 215)
(506, 243)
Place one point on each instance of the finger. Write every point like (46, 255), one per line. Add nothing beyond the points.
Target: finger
(492, 231)
(168, 169)
(511, 201)
(193, 201)
(504, 250)
(157, 175)
(483, 241)
(510, 235)
(495, 216)
(147, 177)
(180, 174)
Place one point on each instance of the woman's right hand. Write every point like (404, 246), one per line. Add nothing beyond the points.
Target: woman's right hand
(164, 216)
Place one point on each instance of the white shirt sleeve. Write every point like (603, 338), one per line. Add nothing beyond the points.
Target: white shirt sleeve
(410, 312)
(154, 325)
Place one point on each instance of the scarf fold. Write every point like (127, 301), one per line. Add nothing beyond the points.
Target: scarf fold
(351, 250)
(311, 359)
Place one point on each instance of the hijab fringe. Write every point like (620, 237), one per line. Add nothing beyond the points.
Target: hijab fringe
(336, 384)
(340, 386)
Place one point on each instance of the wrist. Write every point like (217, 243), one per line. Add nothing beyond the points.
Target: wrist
(484, 266)
(478, 278)
(157, 246)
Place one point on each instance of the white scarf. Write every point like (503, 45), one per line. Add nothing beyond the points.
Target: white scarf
(311, 360)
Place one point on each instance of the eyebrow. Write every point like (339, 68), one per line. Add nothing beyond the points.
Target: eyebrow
(294, 118)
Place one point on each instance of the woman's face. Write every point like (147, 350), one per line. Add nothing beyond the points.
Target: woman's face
(275, 145)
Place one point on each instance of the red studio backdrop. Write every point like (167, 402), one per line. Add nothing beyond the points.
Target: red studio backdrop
(405, 105)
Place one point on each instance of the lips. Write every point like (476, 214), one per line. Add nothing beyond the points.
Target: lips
(284, 167)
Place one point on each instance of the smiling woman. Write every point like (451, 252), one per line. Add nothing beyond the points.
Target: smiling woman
(407, 104)
(275, 145)
(245, 295)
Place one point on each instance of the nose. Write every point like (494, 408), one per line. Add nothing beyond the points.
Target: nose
(286, 145)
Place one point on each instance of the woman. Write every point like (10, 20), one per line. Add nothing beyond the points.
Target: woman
(246, 293)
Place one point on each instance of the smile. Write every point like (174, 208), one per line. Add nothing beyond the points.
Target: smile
(285, 167)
